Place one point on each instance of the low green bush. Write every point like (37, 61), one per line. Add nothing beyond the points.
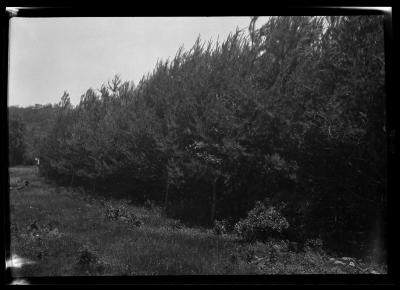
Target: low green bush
(261, 223)
(122, 213)
(221, 227)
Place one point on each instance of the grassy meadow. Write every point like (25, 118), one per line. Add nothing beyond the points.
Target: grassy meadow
(67, 232)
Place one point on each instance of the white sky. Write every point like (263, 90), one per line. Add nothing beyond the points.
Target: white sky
(51, 55)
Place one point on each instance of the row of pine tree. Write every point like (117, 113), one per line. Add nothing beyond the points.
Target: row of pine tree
(292, 112)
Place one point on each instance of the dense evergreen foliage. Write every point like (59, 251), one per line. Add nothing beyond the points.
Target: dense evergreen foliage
(37, 121)
(293, 112)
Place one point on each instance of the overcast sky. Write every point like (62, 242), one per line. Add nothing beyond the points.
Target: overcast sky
(51, 55)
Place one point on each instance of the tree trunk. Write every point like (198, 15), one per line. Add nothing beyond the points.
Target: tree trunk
(166, 193)
(214, 200)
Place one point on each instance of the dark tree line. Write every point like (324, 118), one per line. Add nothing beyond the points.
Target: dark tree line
(292, 112)
(32, 124)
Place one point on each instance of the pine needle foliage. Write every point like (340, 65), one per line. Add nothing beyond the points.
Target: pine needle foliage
(293, 111)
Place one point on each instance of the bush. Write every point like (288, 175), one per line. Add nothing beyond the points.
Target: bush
(222, 227)
(122, 213)
(261, 223)
(114, 213)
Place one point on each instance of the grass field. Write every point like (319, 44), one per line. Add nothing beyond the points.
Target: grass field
(67, 232)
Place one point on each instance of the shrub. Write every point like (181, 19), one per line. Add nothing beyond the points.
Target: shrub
(113, 213)
(122, 213)
(261, 223)
(220, 227)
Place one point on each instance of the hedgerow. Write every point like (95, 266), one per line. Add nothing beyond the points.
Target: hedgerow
(293, 111)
